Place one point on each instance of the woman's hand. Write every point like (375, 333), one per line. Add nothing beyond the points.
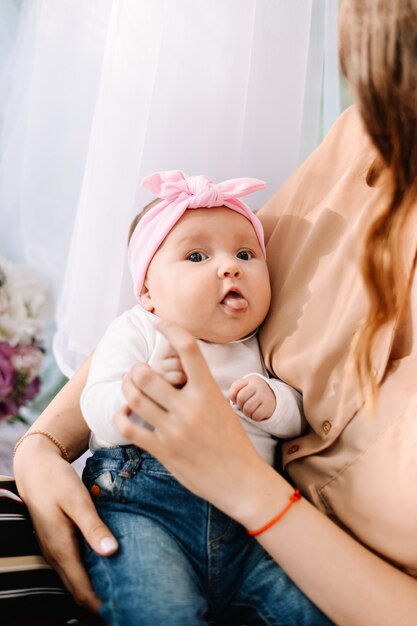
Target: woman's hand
(197, 435)
(57, 500)
(59, 508)
(200, 440)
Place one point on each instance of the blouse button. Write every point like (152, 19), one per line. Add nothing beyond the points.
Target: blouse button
(293, 449)
(326, 426)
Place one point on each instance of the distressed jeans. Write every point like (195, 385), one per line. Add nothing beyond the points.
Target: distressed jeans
(181, 561)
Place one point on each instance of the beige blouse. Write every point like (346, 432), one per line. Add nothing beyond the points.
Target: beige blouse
(360, 470)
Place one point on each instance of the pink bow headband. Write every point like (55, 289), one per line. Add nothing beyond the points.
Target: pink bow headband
(179, 192)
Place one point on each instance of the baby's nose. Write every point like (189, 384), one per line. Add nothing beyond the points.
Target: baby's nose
(229, 268)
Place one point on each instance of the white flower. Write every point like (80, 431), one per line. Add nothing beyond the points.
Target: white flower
(27, 360)
(4, 301)
(25, 304)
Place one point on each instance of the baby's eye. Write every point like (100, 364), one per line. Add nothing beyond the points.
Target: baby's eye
(197, 257)
(245, 255)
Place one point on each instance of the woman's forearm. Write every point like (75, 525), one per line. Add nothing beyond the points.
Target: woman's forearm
(63, 419)
(201, 441)
(352, 585)
(57, 500)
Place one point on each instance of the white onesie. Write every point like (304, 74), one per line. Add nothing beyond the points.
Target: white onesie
(132, 338)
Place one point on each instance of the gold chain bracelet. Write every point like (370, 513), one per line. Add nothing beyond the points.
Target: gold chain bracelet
(54, 440)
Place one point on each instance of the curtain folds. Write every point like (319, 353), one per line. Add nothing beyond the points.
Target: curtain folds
(103, 92)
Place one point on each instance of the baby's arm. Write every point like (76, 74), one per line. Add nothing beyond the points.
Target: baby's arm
(273, 405)
(124, 343)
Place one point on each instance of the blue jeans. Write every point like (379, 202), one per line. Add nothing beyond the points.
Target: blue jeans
(181, 561)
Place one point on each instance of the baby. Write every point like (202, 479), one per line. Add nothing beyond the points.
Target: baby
(197, 258)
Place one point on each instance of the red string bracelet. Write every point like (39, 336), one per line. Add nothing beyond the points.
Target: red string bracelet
(293, 499)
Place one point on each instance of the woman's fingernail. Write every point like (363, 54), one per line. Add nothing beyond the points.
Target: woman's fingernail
(108, 544)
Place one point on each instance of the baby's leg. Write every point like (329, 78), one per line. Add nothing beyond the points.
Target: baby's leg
(149, 581)
(267, 596)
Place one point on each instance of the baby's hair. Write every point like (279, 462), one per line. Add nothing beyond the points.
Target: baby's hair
(139, 216)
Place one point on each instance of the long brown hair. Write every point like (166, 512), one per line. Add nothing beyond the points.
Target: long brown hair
(378, 54)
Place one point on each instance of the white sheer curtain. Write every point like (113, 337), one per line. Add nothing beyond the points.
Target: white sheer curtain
(103, 92)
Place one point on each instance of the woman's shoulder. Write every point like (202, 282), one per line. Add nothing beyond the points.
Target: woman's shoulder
(345, 152)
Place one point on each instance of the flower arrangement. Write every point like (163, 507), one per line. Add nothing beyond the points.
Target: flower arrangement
(25, 316)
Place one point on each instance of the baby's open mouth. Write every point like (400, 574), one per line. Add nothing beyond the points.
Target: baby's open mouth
(235, 301)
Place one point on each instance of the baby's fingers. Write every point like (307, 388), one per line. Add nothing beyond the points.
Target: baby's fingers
(236, 387)
(172, 371)
(195, 366)
(251, 406)
(170, 365)
(177, 378)
(244, 396)
(164, 349)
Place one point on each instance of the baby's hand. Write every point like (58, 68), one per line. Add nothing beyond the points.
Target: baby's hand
(166, 362)
(254, 397)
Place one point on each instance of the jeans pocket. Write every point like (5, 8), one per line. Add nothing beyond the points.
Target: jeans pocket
(109, 469)
(100, 484)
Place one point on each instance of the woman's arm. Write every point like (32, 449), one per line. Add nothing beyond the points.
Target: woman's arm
(57, 500)
(198, 438)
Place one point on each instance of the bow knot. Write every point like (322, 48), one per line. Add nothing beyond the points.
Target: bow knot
(204, 192)
(200, 191)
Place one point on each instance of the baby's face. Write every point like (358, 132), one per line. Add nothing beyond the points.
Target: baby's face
(210, 276)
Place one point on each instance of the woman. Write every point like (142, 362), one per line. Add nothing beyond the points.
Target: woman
(352, 204)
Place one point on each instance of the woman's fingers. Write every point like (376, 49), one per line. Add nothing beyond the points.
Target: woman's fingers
(59, 539)
(146, 393)
(196, 431)
(192, 361)
(84, 514)
(139, 435)
(143, 383)
(64, 557)
(144, 378)
(85, 517)
(56, 516)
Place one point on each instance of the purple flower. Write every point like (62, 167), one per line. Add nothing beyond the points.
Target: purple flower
(31, 390)
(27, 359)
(19, 380)
(8, 408)
(6, 369)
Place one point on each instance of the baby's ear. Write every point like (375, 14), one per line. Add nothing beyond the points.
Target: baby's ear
(146, 299)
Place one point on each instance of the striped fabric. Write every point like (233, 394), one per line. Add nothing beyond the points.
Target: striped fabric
(29, 587)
